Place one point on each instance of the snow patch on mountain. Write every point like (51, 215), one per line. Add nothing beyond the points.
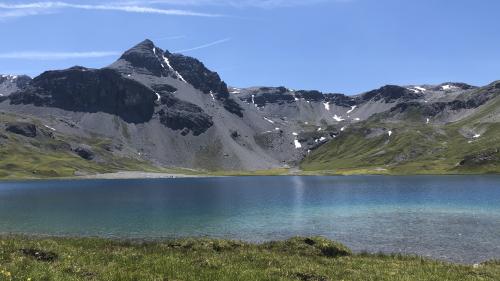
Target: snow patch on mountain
(352, 109)
(269, 120)
(338, 118)
(327, 105)
(448, 87)
(417, 89)
(297, 144)
(165, 59)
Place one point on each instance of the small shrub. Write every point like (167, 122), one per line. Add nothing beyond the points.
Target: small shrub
(313, 246)
(40, 255)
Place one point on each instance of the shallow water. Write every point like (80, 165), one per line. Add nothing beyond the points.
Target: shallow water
(454, 218)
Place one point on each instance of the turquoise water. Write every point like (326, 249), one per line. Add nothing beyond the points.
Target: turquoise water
(454, 218)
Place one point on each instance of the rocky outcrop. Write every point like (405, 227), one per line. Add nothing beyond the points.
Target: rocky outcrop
(316, 96)
(340, 100)
(481, 158)
(389, 94)
(21, 128)
(280, 95)
(184, 116)
(84, 152)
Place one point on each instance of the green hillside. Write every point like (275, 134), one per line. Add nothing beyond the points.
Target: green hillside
(414, 147)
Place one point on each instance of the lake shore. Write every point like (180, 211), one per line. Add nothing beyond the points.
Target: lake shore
(309, 259)
(123, 175)
(191, 173)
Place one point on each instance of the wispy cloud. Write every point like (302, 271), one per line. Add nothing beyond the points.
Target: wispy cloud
(56, 55)
(238, 3)
(35, 8)
(203, 46)
(16, 13)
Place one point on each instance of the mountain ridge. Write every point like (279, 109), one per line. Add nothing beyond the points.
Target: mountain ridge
(152, 109)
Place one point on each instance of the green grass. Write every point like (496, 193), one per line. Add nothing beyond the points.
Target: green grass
(298, 259)
(22, 162)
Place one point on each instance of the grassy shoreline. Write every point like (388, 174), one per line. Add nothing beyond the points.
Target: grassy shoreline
(124, 175)
(300, 259)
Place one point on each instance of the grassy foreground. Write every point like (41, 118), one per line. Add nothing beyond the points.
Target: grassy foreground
(303, 259)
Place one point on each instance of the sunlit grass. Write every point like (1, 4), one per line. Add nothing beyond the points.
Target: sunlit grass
(310, 259)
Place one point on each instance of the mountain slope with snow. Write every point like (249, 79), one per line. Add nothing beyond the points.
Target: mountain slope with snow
(152, 109)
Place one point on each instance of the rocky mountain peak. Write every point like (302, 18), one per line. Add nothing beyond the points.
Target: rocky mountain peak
(145, 48)
(12, 83)
(14, 78)
(147, 43)
(146, 58)
(453, 86)
(390, 93)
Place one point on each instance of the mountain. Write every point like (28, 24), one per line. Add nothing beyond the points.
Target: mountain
(453, 130)
(150, 108)
(154, 110)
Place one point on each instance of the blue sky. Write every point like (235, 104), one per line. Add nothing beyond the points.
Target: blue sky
(347, 46)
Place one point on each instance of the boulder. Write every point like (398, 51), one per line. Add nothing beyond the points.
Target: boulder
(84, 152)
(22, 128)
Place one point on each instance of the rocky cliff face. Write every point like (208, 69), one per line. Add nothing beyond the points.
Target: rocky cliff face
(90, 90)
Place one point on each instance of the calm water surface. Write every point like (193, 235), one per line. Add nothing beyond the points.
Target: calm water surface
(455, 218)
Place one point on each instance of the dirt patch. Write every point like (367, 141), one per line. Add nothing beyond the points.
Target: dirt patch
(310, 277)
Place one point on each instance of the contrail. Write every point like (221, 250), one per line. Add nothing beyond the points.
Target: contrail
(204, 46)
(51, 5)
